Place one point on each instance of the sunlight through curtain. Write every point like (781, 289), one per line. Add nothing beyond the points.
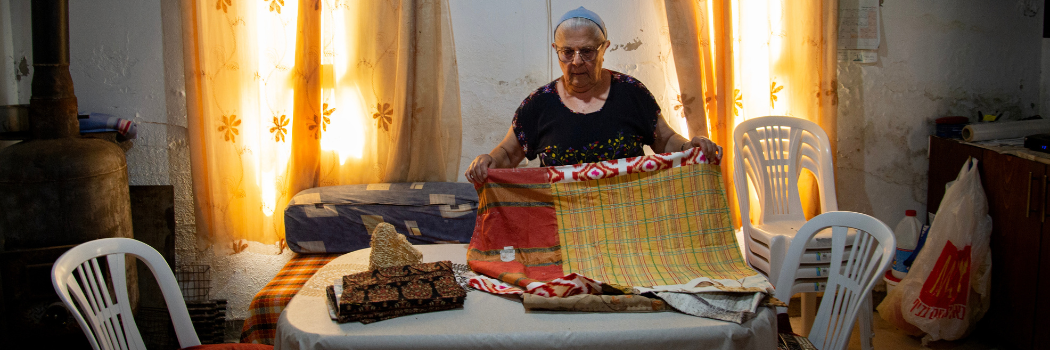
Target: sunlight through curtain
(753, 58)
(285, 95)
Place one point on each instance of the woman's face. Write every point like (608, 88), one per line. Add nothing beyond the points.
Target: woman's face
(579, 74)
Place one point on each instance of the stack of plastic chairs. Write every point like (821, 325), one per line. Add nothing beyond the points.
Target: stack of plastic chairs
(770, 153)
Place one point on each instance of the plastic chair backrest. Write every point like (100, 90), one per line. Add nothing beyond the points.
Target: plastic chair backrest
(105, 318)
(849, 282)
(772, 151)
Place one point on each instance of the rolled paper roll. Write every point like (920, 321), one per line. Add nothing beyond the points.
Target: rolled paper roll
(1004, 130)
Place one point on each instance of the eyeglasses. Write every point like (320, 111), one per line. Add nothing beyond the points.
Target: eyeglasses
(587, 54)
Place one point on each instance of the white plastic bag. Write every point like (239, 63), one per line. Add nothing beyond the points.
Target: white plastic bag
(947, 290)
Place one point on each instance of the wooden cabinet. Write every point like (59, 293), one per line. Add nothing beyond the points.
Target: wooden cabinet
(1016, 189)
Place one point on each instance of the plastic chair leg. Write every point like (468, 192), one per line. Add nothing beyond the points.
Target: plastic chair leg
(865, 317)
(867, 324)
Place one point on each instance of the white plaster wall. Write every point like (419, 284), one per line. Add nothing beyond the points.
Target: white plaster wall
(8, 80)
(117, 67)
(175, 142)
(501, 52)
(126, 60)
(938, 58)
(14, 48)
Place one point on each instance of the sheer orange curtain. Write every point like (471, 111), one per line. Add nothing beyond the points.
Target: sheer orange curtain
(753, 58)
(285, 95)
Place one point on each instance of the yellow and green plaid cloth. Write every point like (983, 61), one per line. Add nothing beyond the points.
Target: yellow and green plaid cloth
(656, 220)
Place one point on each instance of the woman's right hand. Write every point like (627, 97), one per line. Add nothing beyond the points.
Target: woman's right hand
(479, 169)
(506, 155)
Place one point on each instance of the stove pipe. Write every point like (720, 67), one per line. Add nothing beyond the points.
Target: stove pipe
(53, 107)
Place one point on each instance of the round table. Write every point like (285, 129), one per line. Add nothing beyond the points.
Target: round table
(499, 322)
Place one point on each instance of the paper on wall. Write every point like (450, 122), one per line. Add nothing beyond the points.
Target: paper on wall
(859, 24)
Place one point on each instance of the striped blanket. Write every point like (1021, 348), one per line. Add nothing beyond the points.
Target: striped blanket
(658, 220)
(266, 307)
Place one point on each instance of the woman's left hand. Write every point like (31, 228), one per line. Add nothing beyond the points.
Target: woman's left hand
(712, 151)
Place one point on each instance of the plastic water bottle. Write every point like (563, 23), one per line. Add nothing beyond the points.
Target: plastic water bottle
(907, 234)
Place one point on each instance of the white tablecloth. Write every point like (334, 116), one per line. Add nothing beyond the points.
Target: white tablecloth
(495, 322)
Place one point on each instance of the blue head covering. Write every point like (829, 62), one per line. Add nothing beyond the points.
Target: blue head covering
(585, 14)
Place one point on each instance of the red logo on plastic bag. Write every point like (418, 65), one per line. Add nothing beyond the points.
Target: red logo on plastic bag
(947, 288)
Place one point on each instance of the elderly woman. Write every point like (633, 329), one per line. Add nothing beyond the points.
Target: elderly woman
(589, 114)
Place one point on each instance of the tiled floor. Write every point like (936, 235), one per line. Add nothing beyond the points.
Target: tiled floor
(888, 337)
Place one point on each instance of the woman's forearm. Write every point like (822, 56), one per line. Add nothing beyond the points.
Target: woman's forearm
(501, 158)
(676, 143)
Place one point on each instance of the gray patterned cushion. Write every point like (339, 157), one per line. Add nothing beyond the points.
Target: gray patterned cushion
(338, 219)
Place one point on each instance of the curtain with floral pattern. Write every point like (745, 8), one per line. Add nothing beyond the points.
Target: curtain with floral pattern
(753, 58)
(285, 95)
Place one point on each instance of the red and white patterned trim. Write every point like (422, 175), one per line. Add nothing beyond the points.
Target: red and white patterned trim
(568, 285)
(611, 168)
(494, 286)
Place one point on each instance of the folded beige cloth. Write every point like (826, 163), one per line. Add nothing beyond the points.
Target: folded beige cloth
(390, 248)
(594, 303)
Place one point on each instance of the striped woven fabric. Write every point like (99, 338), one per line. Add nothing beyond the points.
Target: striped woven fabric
(636, 222)
(266, 306)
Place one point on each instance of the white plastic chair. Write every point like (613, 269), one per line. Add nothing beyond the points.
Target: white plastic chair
(850, 282)
(770, 153)
(106, 319)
